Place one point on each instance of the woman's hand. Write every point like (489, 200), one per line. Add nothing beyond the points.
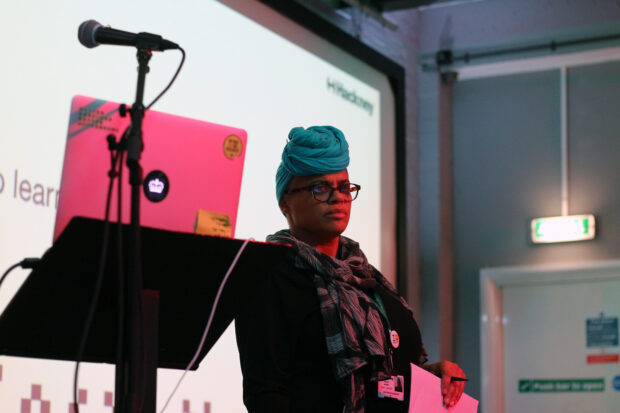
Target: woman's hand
(451, 390)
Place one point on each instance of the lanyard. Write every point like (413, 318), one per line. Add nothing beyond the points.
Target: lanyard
(390, 352)
(379, 303)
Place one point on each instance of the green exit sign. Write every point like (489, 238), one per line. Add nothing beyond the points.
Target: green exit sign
(563, 228)
(561, 385)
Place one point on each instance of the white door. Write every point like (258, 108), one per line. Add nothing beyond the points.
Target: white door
(558, 332)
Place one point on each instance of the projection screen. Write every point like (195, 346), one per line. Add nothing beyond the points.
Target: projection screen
(247, 66)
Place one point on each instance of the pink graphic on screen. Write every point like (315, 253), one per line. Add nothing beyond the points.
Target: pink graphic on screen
(37, 404)
(35, 398)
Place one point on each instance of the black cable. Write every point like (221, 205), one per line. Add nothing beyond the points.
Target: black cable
(142, 371)
(171, 81)
(99, 281)
(27, 263)
(11, 268)
(120, 270)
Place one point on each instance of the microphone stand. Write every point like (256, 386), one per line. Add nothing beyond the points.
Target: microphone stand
(136, 368)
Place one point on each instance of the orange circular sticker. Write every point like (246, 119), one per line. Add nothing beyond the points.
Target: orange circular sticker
(233, 146)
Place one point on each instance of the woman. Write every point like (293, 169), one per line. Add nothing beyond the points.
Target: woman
(327, 332)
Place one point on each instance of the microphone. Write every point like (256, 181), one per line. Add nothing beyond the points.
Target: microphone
(91, 34)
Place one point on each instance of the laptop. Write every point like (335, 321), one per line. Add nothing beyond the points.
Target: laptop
(192, 170)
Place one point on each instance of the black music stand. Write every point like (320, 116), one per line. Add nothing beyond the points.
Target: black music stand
(45, 319)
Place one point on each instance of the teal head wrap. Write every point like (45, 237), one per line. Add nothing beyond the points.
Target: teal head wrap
(317, 150)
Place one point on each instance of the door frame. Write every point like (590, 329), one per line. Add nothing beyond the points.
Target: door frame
(492, 283)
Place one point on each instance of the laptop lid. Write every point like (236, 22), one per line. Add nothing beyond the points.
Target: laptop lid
(191, 169)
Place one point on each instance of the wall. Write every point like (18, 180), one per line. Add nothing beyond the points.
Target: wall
(509, 173)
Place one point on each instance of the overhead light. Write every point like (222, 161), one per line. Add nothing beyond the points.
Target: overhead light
(563, 228)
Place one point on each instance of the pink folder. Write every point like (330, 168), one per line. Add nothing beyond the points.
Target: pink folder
(426, 395)
(188, 165)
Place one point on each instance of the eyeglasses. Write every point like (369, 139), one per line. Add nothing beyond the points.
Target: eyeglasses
(323, 192)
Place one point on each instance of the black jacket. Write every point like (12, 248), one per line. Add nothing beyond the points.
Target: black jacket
(284, 359)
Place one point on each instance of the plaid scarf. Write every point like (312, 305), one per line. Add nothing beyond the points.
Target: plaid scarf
(355, 332)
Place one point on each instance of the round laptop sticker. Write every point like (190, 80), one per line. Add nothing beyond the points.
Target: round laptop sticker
(156, 186)
(233, 147)
(394, 338)
(616, 383)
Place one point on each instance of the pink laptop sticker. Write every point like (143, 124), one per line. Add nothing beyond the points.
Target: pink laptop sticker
(188, 166)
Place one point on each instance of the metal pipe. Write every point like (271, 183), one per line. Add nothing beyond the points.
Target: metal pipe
(564, 137)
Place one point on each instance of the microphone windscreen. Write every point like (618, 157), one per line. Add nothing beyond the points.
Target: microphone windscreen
(86, 33)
